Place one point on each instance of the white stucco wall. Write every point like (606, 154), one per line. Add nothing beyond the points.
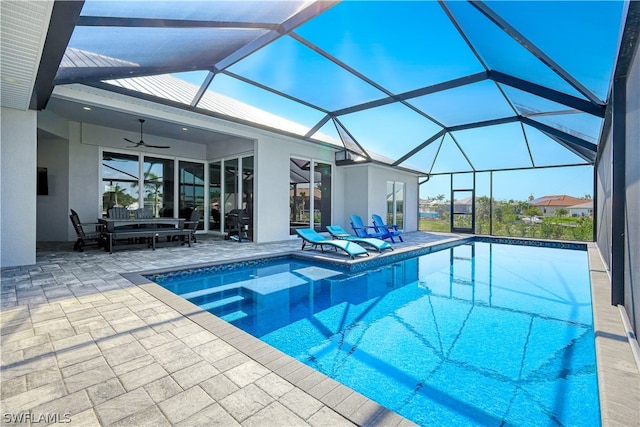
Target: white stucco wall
(18, 153)
(366, 193)
(272, 183)
(52, 214)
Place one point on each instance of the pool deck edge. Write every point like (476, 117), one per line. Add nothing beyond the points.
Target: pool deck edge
(617, 369)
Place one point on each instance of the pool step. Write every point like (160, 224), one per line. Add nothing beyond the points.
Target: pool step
(232, 317)
(221, 303)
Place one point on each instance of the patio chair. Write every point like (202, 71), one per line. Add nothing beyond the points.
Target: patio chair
(143, 213)
(365, 231)
(92, 234)
(341, 234)
(388, 231)
(310, 236)
(118, 213)
(192, 224)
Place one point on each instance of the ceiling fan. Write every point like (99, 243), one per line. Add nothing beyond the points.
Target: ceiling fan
(142, 143)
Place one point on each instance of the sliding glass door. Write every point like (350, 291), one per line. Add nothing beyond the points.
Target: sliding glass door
(190, 189)
(309, 195)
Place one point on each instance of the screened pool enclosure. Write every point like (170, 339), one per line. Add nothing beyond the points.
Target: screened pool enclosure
(503, 94)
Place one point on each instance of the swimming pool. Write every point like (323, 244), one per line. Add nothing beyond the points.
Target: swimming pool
(477, 334)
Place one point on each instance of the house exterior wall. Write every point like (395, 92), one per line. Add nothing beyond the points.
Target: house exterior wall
(75, 148)
(18, 153)
(52, 209)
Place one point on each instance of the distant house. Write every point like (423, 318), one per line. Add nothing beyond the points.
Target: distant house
(583, 209)
(548, 205)
(463, 205)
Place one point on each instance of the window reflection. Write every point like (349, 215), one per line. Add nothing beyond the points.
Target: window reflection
(191, 184)
(158, 186)
(120, 186)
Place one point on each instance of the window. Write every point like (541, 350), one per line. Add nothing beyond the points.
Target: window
(191, 189)
(158, 186)
(120, 183)
(395, 203)
(309, 195)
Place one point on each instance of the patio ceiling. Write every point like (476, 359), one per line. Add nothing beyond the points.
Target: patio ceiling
(433, 86)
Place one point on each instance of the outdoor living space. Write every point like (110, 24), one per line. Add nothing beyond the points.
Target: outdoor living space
(83, 343)
(177, 137)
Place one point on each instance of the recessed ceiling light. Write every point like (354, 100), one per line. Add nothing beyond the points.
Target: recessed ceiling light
(185, 129)
(86, 108)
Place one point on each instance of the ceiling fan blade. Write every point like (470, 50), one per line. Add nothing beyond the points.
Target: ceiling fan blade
(142, 143)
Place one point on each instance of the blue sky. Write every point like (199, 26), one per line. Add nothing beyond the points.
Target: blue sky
(412, 45)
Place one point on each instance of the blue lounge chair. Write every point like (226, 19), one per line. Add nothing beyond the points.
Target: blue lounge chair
(388, 231)
(342, 234)
(309, 235)
(365, 231)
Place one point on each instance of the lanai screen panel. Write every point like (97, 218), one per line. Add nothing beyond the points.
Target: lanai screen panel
(395, 75)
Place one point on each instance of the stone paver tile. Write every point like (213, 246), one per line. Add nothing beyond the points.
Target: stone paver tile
(185, 404)
(124, 353)
(56, 328)
(324, 387)
(109, 342)
(11, 346)
(31, 398)
(13, 386)
(84, 366)
(105, 390)
(86, 379)
(274, 412)
(370, 413)
(149, 417)
(73, 342)
(215, 350)
(81, 353)
(231, 362)
(26, 367)
(274, 385)
(128, 324)
(246, 373)
(122, 406)
(301, 403)
(351, 404)
(40, 378)
(154, 339)
(85, 419)
(245, 402)
(198, 338)
(141, 376)
(133, 364)
(69, 405)
(38, 350)
(213, 415)
(172, 350)
(85, 313)
(13, 358)
(326, 417)
(162, 389)
(336, 396)
(17, 336)
(219, 387)
(188, 377)
(187, 330)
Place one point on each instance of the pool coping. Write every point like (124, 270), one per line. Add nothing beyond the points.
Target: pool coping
(616, 365)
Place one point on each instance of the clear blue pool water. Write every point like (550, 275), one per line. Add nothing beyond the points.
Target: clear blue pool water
(479, 334)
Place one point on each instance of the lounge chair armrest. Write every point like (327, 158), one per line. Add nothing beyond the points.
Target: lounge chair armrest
(97, 225)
